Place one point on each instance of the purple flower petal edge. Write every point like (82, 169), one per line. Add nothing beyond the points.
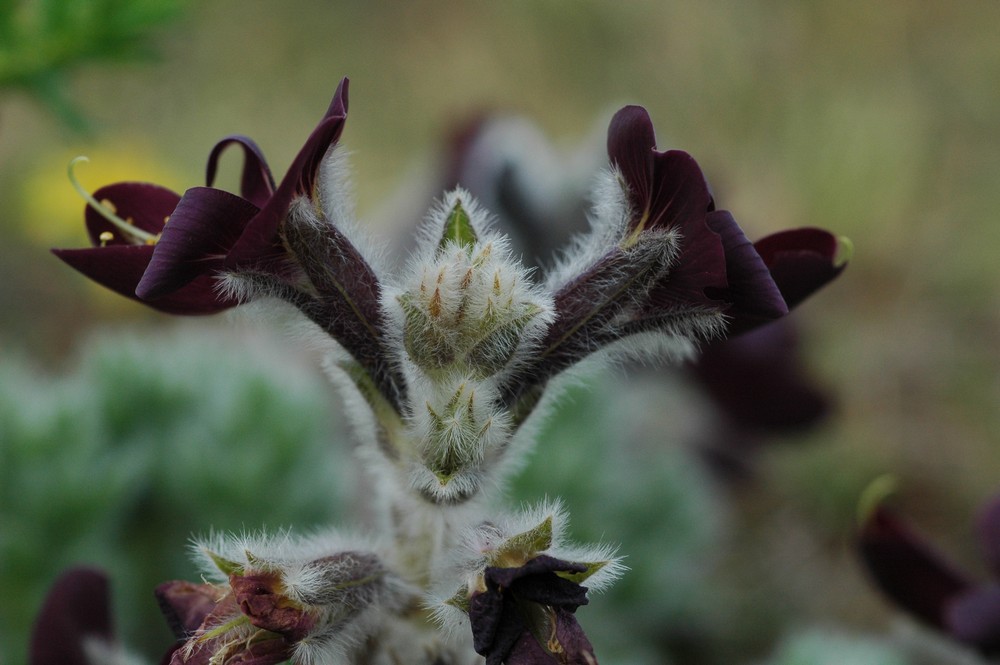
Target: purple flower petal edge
(76, 608)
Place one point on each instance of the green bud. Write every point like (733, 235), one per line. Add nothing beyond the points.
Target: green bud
(458, 228)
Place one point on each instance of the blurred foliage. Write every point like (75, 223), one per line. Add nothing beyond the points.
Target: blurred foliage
(43, 41)
(149, 441)
(827, 648)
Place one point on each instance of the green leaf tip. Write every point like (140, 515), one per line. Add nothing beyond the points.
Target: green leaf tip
(225, 565)
(459, 600)
(530, 542)
(844, 253)
(458, 228)
(874, 494)
(583, 575)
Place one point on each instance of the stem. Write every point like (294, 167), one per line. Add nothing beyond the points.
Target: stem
(130, 230)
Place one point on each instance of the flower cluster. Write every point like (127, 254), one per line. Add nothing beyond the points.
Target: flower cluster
(444, 363)
(921, 581)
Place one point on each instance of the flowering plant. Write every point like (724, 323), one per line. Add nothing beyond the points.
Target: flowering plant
(447, 367)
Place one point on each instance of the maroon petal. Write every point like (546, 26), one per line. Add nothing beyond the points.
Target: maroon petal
(908, 570)
(496, 624)
(258, 240)
(574, 647)
(145, 204)
(801, 261)
(697, 279)
(260, 598)
(988, 527)
(537, 581)
(186, 604)
(666, 189)
(256, 182)
(631, 141)
(680, 197)
(752, 291)
(76, 608)
(120, 267)
(974, 618)
(528, 651)
(203, 227)
(757, 382)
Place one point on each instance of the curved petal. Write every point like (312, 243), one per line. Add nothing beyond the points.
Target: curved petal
(801, 261)
(757, 382)
(988, 528)
(908, 570)
(201, 231)
(145, 204)
(259, 239)
(186, 604)
(679, 197)
(666, 189)
(631, 141)
(752, 291)
(120, 267)
(77, 608)
(256, 182)
(974, 618)
(698, 276)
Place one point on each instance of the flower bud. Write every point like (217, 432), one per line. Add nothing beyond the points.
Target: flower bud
(468, 305)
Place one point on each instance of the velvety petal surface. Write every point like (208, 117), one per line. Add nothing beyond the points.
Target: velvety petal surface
(801, 261)
(203, 227)
(631, 141)
(499, 627)
(908, 570)
(256, 181)
(666, 189)
(259, 240)
(76, 608)
(121, 267)
(758, 383)
(988, 528)
(974, 618)
(186, 604)
(752, 291)
(144, 204)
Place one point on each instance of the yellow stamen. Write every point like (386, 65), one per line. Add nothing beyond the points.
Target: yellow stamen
(106, 237)
(107, 210)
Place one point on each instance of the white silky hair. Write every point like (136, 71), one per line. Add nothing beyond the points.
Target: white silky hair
(467, 561)
(99, 651)
(608, 218)
(335, 191)
(453, 263)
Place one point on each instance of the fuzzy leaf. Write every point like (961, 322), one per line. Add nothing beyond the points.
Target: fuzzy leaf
(225, 565)
(458, 228)
(591, 568)
(528, 543)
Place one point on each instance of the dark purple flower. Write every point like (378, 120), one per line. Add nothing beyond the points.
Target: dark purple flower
(212, 230)
(120, 256)
(76, 610)
(677, 266)
(526, 615)
(803, 260)
(924, 583)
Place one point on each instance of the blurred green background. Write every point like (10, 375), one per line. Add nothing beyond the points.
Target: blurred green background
(879, 121)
